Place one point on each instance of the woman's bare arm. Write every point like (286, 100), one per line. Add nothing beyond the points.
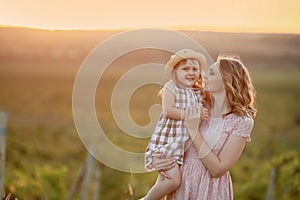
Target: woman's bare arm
(218, 165)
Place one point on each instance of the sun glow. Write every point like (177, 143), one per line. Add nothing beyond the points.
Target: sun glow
(227, 16)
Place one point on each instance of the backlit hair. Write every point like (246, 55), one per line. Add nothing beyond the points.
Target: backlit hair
(238, 85)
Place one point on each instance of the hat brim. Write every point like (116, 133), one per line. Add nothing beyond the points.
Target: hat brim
(182, 55)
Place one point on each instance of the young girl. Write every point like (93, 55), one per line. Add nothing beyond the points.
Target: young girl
(182, 92)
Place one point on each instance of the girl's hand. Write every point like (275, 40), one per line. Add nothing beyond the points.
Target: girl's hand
(163, 164)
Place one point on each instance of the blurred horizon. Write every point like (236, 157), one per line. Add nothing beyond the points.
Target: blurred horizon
(174, 28)
(55, 46)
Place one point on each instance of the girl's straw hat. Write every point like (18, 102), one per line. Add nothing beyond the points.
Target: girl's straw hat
(182, 55)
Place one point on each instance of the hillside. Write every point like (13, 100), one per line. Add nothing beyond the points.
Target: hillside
(73, 46)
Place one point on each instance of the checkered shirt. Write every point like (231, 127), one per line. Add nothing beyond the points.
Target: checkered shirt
(170, 135)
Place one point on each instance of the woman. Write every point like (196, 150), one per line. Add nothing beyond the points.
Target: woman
(220, 140)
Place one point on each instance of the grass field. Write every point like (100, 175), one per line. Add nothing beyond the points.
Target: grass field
(44, 152)
(41, 137)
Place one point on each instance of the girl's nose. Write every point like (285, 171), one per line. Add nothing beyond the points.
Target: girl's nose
(191, 71)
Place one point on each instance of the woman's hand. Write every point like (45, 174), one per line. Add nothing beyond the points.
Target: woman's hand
(163, 164)
(193, 117)
(204, 113)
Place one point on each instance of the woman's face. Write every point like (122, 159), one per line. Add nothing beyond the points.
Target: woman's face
(187, 74)
(213, 79)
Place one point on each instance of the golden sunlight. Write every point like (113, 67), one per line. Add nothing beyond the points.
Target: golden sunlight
(233, 16)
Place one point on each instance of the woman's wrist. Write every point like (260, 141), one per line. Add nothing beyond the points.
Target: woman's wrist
(204, 148)
(203, 153)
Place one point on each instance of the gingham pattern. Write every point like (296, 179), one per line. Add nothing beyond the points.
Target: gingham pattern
(170, 135)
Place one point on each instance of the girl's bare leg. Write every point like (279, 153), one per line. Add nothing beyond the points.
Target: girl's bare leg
(164, 186)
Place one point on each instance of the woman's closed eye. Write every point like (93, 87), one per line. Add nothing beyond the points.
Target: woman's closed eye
(211, 72)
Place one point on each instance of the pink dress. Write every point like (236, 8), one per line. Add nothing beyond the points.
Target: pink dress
(197, 183)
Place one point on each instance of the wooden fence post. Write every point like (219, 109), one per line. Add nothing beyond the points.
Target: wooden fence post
(270, 195)
(78, 182)
(3, 121)
(87, 177)
(97, 182)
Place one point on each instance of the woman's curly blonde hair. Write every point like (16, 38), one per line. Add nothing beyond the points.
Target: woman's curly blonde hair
(238, 85)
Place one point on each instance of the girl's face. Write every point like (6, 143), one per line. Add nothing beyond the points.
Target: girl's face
(213, 78)
(187, 73)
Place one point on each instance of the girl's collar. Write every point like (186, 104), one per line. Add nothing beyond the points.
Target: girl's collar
(184, 87)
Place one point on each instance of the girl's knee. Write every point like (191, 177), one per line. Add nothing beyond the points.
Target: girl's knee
(174, 183)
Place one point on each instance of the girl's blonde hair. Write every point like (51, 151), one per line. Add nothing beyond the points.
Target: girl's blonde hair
(238, 85)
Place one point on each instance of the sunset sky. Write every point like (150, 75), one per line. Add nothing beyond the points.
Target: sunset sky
(281, 16)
